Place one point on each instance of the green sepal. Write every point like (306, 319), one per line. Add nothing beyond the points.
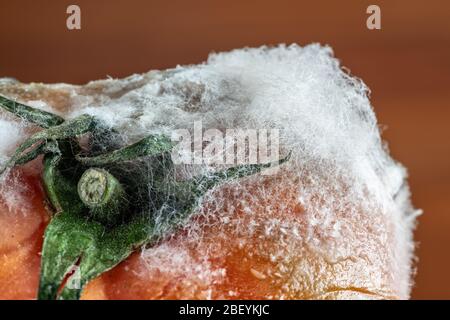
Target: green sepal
(199, 185)
(41, 118)
(109, 248)
(94, 242)
(68, 129)
(150, 146)
(66, 238)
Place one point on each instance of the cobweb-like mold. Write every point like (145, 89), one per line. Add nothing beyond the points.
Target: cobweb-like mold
(336, 218)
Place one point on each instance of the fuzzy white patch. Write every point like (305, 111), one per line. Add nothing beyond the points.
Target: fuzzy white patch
(12, 191)
(324, 115)
(325, 118)
(11, 134)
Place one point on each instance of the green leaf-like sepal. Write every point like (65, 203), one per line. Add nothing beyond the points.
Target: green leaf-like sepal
(42, 118)
(68, 129)
(109, 204)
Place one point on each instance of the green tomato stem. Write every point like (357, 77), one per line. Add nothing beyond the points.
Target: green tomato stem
(103, 194)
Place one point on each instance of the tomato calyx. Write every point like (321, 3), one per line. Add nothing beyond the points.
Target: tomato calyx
(108, 201)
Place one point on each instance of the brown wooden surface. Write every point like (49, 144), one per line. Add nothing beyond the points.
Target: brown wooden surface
(406, 64)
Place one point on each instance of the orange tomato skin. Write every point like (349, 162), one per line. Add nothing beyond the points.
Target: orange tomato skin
(21, 229)
(181, 269)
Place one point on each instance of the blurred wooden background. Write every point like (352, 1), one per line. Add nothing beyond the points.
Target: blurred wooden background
(406, 64)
